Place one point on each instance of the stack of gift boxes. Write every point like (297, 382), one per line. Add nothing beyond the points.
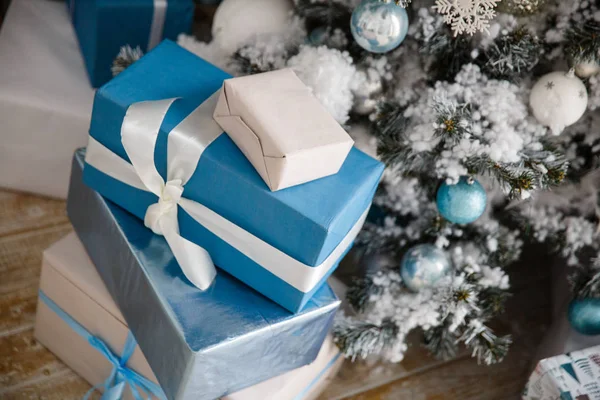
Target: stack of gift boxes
(208, 212)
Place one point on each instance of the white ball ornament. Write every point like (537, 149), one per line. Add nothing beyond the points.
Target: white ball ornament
(558, 99)
(237, 21)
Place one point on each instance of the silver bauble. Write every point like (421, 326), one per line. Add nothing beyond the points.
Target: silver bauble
(423, 266)
(379, 26)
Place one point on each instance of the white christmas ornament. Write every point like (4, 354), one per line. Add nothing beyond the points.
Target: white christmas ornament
(467, 16)
(558, 100)
(587, 69)
(238, 21)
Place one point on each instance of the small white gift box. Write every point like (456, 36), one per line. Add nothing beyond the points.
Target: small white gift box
(284, 131)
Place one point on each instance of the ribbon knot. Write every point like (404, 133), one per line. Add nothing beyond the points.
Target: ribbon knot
(169, 197)
(120, 376)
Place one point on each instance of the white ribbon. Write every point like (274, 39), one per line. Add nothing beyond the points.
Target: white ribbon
(186, 143)
(158, 23)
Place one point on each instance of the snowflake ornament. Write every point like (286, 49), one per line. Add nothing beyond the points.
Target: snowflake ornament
(467, 16)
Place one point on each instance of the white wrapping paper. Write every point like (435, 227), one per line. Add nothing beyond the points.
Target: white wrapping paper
(572, 376)
(285, 132)
(45, 97)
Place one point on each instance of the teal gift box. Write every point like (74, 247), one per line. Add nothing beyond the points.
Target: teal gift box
(104, 26)
(284, 244)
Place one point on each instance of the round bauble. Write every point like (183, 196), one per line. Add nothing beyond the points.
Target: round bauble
(558, 99)
(584, 316)
(521, 7)
(463, 202)
(318, 36)
(423, 266)
(587, 69)
(379, 26)
(237, 21)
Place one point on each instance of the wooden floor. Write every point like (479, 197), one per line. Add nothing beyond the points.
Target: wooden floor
(29, 224)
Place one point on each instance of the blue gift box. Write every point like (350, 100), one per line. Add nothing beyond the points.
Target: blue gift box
(199, 344)
(313, 223)
(104, 26)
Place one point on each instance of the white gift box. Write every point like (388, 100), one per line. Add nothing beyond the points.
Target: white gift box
(70, 280)
(574, 375)
(284, 131)
(45, 97)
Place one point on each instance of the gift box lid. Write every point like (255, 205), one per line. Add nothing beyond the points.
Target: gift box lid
(199, 344)
(306, 222)
(283, 130)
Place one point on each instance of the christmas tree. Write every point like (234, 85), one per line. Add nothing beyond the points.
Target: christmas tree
(483, 112)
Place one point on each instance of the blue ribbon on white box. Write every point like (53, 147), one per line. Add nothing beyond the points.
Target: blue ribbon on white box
(186, 143)
(121, 375)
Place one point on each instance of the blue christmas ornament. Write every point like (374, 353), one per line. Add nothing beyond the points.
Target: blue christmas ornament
(463, 202)
(318, 36)
(584, 316)
(379, 25)
(423, 265)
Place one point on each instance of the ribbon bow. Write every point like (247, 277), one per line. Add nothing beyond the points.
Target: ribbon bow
(120, 375)
(186, 143)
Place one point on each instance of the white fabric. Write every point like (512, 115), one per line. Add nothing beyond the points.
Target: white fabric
(139, 132)
(45, 97)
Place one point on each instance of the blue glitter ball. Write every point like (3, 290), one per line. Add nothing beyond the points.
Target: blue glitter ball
(423, 265)
(379, 26)
(584, 316)
(462, 203)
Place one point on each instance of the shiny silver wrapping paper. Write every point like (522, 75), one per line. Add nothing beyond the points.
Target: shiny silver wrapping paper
(200, 345)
